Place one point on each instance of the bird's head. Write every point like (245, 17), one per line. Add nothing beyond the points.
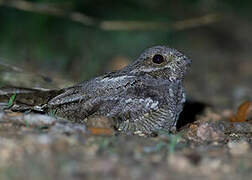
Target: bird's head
(161, 62)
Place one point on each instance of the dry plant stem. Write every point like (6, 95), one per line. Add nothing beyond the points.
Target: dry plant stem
(110, 25)
(160, 26)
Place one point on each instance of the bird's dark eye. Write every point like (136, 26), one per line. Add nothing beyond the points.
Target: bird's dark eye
(158, 59)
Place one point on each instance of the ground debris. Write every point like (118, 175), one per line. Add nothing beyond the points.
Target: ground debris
(36, 145)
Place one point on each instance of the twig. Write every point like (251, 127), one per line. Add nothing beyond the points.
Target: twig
(160, 26)
(110, 25)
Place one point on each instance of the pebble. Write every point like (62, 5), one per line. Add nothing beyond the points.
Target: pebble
(209, 132)
(180, 163)
(237, 148)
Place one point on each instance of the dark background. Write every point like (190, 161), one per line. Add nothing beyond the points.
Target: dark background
(44, 37)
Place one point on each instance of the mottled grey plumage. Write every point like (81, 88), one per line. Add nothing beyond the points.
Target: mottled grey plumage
(141, 98)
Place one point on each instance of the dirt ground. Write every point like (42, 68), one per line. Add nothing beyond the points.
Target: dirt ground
(208, 144)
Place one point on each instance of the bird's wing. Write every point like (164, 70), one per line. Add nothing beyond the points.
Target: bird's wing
(142, 109)
(83, 100)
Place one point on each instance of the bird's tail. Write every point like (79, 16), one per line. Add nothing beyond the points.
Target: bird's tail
(22, 99)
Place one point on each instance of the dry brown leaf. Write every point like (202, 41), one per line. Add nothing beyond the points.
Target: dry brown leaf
(242, 112)
(101, 131)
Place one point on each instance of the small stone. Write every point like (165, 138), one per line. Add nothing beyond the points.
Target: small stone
(209, 166)
(208, 132)
(180, 163)
(237, 148)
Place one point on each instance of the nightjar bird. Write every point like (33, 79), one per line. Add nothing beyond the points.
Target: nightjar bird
(144, 97)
